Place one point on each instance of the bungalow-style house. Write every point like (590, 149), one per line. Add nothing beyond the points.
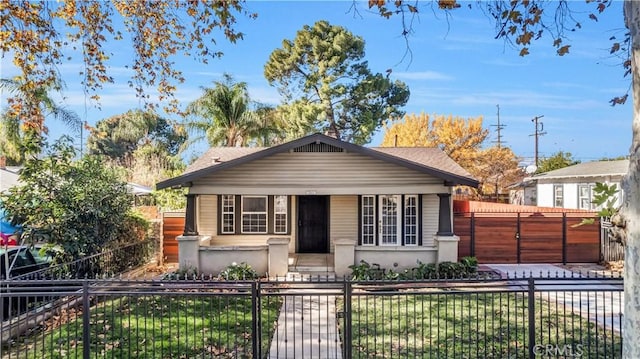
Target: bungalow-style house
(572, 186)
(317, 194)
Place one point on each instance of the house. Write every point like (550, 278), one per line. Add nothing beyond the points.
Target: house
(572, 186)
(9, 175)
(317, 194)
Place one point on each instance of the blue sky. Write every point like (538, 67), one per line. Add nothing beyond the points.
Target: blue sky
(457, 68)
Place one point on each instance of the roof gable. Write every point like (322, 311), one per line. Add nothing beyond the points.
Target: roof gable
(214, 160)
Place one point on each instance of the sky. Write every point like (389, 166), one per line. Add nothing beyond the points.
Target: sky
(456, 68)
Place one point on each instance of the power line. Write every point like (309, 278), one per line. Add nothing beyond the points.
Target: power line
(499, 128)
(539, 132)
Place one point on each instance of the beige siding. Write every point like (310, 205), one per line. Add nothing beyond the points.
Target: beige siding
(207, 215)
(343, 218)
(430, 209)
(318, 173)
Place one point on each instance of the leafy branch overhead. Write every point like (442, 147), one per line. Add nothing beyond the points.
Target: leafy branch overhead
(42, 35)
(517, 22)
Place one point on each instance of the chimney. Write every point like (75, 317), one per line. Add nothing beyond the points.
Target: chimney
(3, 162)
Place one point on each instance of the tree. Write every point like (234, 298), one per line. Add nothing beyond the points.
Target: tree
(40, 36)
(80, 206)
(14, 136)
(144, 148)
(119, 136)
(556, 161)
(325, 66)
(460, 138)
(225, 116)
(497, 169)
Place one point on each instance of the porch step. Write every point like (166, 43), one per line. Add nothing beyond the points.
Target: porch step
(310, 276)
(311, 269)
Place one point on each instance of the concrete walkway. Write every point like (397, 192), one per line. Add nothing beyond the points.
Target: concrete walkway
(596, 300)
(307, 328)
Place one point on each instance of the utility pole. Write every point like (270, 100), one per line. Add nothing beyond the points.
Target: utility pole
(499, 128)
(539, 132)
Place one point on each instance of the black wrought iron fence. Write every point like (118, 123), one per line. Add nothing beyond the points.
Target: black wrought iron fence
(105, 264)
(203, 318)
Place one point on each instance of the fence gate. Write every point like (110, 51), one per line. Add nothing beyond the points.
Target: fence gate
(527, 237)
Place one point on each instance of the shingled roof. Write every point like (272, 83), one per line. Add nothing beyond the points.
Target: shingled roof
(431, 161)
(587, 169)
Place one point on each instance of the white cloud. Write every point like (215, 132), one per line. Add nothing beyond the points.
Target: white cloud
(423, 75)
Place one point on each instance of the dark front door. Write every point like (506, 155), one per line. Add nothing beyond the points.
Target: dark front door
(312, 224)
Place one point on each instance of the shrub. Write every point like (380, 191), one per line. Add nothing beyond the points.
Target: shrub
(366, 271)
(467, 267)
(241, 271)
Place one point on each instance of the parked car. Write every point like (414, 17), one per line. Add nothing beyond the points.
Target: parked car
(17, 261)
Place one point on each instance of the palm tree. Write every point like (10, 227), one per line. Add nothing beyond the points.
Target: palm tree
(224, 114)
(13, 136)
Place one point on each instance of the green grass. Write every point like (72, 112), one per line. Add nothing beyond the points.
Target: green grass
(154, 326)
(469, 325)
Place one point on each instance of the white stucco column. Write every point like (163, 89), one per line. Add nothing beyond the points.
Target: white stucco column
(188, 252)
(343, 256)
(278, 256)
(447, 248)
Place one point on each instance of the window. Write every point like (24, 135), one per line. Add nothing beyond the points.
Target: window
(411, 220)
(228, 213)
(558, 200)
(280, 214)
(389, 223)
(585, 196)
(254, 214)
(368, 223)
(390, 220)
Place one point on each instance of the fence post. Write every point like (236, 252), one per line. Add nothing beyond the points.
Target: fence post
(532, 317)
(86, 338)
(518, 237)
(564, 237)
(473, 234)
(346, 345)
(255, 318)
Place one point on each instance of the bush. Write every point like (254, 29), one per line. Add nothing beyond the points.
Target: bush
(467, 267)
(241, 271)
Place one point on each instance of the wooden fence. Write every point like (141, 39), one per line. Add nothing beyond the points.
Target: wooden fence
(534, 237)
(172, 227)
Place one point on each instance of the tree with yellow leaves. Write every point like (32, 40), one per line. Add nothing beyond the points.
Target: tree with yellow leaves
(460, 138)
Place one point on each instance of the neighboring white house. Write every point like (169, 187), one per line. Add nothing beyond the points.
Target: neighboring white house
(390, 206)
(572, 187)
(8, 176)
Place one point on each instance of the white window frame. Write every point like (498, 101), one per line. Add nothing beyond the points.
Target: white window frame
(265, 213)
(588, 197)
(406, 216)
(556, 197)
(368, 239)
(283, 210)
(382, 216)
(228, 210)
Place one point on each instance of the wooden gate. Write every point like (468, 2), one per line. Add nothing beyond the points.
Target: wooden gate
(527, 237)
(172, 227)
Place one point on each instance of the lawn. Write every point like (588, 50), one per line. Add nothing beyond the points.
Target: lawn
(471, 325)
(189, 325)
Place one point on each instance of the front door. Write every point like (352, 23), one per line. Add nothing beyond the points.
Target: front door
(313, 224)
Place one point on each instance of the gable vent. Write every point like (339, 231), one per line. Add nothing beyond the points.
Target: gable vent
(318, 147)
